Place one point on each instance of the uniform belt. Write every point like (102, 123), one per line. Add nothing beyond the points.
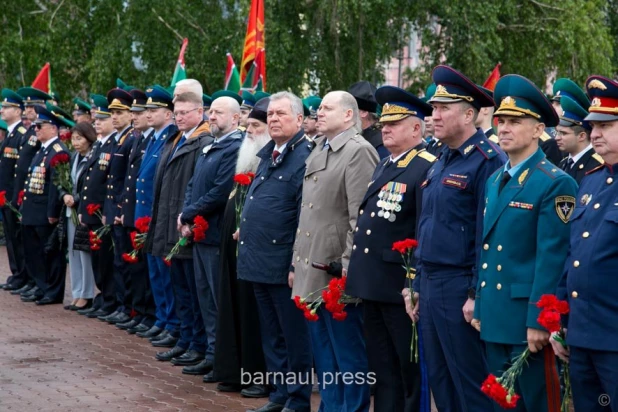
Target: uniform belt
(430, 271)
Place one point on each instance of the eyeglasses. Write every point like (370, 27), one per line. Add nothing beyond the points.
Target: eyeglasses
(183, 113)
(39, 126)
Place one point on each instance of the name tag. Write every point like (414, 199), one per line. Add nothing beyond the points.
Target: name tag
(449, 181)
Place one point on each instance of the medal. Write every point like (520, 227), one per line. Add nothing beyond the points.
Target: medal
(381, 213)
(387, 214)
(392, 218)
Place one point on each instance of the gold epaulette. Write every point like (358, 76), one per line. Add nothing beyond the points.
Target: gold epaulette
(57, 147)
(406, 160)
(424, 154)
(545, 137)
(598, 158)
(22, 130)
(494, 139)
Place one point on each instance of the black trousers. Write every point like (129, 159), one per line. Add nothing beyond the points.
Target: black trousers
(138, 294)
(121, 279)
(49, 273)
(14, 248)
(388, 331)
(103, 268)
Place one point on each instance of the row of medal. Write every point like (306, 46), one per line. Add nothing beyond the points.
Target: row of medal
(390, 197)
(104, 160)
(37, 180)
(11, 153)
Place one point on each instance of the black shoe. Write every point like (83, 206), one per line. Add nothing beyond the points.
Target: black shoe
(201, 368)
(168, 342)
(108, 316)
(32, 291)
(170, 354)
(11, 287)
(164, 334)
(153, 331)
(256, 391)
(21, 290)
(190, 357)
(31, 298)
(87, 311)
(88, 305)
(269, 407)
(120, 317)
(128, 324)
(97, 314)
(47, 301)
(228, 387)
(141, 328)
(209, 377)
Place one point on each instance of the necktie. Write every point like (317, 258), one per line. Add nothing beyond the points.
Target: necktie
(276, 154)
(569, 164)
(505, 179)
(180, 143)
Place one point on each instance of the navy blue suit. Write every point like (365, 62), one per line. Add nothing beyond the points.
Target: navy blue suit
(267, 231)
(589, 284)
(450, 232)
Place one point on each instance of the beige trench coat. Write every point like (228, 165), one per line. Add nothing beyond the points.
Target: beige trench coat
(335, 182)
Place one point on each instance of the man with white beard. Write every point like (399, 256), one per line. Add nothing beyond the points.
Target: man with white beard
(238, 321)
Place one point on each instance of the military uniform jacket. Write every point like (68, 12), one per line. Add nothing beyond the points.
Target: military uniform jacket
(451, 223)
(144, 185)
(525, 243)
(112, 207)
(373, 134)
(28, 148)
(491, 135)
(335, 183)
(9, 157)
(41, 200)
(129, 195)
(590, 160)
(589, 275)
(270, 214)
(550, 148)
(375, 271)
(97, 169)
(435, 146)
(210, 187)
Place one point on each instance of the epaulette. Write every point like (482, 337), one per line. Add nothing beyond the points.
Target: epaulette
(424, 154)
(242, 128)
(599, 167)
(406, 160)
(308, 138)
(22, 130)
(494, 139)
(598, 158)
(486, 149)
(57, 148)
(550, 169)
(545, 137)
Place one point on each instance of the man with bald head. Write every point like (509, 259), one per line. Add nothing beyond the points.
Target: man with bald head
(206, 195)
(338, 171)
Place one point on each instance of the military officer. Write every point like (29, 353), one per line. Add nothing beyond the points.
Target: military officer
(434, 146)
(364, 93)
(573, 137)
(589, 276)
(453, 202)
(567, 87)
(41, 211)
(310, 111)
(388, 213)
(94, 193)
(248, 101)
(81, 111)
(518, 266)
(485, 118)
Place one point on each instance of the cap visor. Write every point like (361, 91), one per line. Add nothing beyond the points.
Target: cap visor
(601, 117)
(137, 109)
(393, 117)
(443, 100)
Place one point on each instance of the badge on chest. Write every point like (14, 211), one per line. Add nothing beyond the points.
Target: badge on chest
(36, 184)
(390, 198)
(104, 160)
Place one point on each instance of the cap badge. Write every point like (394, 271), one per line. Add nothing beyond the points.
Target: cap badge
(597, 84)
(596, 102)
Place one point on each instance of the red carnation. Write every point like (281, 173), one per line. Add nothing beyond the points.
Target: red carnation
(20, 197)
(65, 136)
(550, 320)
(200, 225)
(547, 301)
(60, 158)
(95, 246)
(129, 258)
(3, 198)
(243, 179)
(167, 262)
(142, 224)
(404, 246)
(92, 208)
(494, 389)
(311, 317)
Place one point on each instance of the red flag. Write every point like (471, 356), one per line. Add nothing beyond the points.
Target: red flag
(254, 39)
(43, 79)
(260, 63)
(493, 78)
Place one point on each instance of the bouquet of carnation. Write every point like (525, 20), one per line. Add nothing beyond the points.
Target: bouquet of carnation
(332, 296)
(62, 177)
(242, 182)
(405, 248)
(97, 235)
(4, 203)
(199, 227)
(138, 238)
(65, 138)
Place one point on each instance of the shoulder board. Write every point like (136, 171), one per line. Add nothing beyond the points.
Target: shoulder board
(424, 154)
(486, 149)
(591, 171)
(22, 130)
(242, 128)
(57, 147)
(406, 160)
(494, 139)
(598, 158)
(545, 137)
(308, 138)
(550, 169)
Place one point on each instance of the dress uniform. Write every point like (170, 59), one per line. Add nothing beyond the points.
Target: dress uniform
(578, 165)
(434, 146)
(364, 93)
(453, 202)
(589, 277)
(95, 192)
(375, 273)
(489, 133)
(8, 163)
(81, 111)
(311, 105)
(525, 242)
(41, 203)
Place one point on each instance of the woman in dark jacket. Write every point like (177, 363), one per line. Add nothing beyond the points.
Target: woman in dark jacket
(80, 261)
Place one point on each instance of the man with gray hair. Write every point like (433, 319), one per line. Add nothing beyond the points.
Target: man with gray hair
(188, 86)
(338, 171)
(268, 225)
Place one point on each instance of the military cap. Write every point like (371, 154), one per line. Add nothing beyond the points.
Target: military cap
(122, 85)
(11, 99)
(604, 95)
(520, 97)
(207, 100)
(119, 99)
(248, 100)
(158, 97)
(80, 106)
(99, 106)
(228, 93)
(139, 100)
(60, 113)
(398, 104)
(4, 126)
(429, 92)
(572, 113)
(453, 87)
(55, 99)
(260, 110)
(364, 93)
(46, 114)
(32, 96)
(259, 95)
(567, 87)
(311, 105)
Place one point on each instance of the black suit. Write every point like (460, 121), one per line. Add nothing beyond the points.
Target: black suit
(375, 274)
(586, 163)
(550, 148)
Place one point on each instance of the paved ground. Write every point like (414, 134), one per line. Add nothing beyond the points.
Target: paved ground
(56, 360)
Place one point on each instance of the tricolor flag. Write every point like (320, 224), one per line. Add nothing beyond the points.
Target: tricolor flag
(179, 72)
(232, 77)
(254, 39)
(43, 80)
(493, 78)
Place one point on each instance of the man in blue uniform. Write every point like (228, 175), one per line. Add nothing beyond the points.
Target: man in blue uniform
(450, 230)
(528, 203)
(375, 272)
(41, 211)
(589, 277)
(267, 231)
(160, 117)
